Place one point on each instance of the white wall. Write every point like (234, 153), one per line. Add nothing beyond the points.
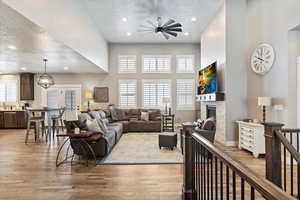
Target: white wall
(89, 81)
(270, 22)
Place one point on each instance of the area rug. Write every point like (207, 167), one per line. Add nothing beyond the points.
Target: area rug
(142, 148)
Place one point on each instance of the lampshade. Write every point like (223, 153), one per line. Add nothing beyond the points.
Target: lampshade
(264, 101)
(166, 100)
(88, 95)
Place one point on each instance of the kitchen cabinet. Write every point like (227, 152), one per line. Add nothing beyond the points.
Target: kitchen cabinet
(12, 119)
(26, 86)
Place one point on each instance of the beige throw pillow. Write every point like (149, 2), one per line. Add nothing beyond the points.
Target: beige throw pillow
(92, 125)
(145, 116)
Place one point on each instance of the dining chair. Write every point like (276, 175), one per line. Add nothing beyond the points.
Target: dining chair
(35, 122)
(57, 119)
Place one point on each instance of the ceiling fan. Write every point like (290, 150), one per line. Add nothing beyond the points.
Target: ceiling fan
(166, 29)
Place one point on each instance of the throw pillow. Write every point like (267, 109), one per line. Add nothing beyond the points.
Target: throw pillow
(209, 124)
(145, 116)
(117, 114)
(93, 125)
(102, 126)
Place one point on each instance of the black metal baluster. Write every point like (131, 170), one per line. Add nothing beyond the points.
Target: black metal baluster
(233, 185)
(201, 172)
(195, 156)
(227, 182)
(221, 180)
(292, 168)
(242, 189)
(297, 133)
(284, 167)
(211, 177)
(207, 164)
(216, 177)
(204, 175)
(194, 174)
(198, 171)
(252, 193)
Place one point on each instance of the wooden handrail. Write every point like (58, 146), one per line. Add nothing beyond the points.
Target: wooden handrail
(288, 146)
(291, 130)
(265, 187)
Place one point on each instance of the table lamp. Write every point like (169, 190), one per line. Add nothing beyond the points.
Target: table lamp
(166, 101)
(88, 95)
(264, 102)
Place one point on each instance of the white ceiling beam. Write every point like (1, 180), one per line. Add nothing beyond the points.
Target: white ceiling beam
(68, 22)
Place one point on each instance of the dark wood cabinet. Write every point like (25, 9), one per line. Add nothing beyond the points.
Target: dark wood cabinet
(26, 86)
(10, 119)
(21, 121)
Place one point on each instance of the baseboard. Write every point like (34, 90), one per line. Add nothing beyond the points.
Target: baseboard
(231, 143)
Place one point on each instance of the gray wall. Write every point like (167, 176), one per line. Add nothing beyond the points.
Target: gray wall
(89, 81)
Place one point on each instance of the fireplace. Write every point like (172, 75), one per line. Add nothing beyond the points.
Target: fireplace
(211, 111)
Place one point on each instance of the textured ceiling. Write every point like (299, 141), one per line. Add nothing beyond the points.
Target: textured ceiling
(32, 45)
(107, 15)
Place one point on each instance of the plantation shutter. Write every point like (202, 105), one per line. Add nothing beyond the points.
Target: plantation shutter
(127, 64)
(185, 92)
(156, 64)
(185, 64)
(154, 91)
(127, 93)
(8, 91)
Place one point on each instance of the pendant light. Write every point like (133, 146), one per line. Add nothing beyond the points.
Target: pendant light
(45, 80)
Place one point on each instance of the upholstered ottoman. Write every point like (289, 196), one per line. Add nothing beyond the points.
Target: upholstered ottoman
(167, 139)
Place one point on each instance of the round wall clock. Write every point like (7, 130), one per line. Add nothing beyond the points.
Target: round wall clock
(262, 59)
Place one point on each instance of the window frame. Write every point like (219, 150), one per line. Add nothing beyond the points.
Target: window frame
(119, 92)
(16, 82)
(169, 81)
(119, 66)
(185, 56)
(169, 57)
(186, 106)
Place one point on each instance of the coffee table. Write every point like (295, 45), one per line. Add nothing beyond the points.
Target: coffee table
(78, 142)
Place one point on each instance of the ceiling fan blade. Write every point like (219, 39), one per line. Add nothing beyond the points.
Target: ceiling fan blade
(151, 23)
(145, 30)
(173, 29)
(147, 27)
(159, 21)
(170, 21)
(171, 33)
(174, 26)
(165, 35)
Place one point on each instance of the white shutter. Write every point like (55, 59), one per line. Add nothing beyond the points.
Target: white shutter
(156, 64)
(127, 93)
(185, 93)
(52, 98)
(127, 64)
(154, 91)
(185, 63)
(8, 91)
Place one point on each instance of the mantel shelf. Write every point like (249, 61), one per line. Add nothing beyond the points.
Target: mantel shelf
(211, 97)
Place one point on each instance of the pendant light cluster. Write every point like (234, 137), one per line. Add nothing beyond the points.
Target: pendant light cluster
(45, 80)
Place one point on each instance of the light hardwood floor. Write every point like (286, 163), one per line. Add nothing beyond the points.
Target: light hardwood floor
(29, 172)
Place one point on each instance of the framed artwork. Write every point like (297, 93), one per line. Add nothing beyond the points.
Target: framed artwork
(101, 94)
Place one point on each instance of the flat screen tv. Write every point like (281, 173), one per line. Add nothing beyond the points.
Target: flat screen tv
(207, 79)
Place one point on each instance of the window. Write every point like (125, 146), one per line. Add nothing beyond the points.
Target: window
(185, 64)
(127, 93)
(8, 91)
(154, 91)
(127, 64)
(156, 64)
(185, 93)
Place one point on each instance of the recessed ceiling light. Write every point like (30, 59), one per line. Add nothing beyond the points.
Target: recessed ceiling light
(186, 33)
(66, 68)
(193, 19)
(12, 47)
(23, 68)
(124, 19)
(128, 34)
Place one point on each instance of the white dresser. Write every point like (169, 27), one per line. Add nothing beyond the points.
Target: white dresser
(251, 137)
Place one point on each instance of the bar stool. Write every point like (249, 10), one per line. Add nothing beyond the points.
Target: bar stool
(56, 119)
(36, 122)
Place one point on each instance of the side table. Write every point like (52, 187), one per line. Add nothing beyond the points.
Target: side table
(168, 123)
(80, 146)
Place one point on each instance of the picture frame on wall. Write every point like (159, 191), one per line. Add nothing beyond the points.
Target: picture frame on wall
(101, 94)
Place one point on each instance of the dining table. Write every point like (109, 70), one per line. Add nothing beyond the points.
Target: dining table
(46, 114)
